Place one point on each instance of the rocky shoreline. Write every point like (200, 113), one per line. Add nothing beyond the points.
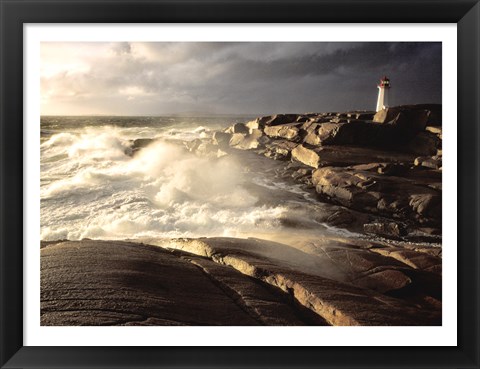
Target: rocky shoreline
(387, 165)
(376, 174)
(383, 167)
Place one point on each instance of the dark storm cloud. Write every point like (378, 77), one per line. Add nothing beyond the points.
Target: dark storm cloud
(160, 78)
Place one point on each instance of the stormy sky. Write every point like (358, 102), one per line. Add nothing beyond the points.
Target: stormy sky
(233, 78)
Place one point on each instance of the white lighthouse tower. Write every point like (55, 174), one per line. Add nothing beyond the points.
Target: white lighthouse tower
(383, 87)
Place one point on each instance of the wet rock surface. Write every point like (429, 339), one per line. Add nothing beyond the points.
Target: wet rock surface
(343, 282)
(229, 281)
(121, 283)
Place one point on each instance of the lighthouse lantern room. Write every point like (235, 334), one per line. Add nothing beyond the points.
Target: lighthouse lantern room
(383, 87)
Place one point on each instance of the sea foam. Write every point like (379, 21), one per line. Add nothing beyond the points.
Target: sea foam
(95, 190)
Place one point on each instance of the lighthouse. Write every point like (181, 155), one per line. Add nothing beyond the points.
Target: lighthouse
(383, 87)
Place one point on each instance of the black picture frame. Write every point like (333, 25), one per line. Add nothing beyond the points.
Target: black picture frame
(15, 13)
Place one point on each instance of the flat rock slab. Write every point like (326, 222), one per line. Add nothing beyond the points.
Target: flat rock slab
(121, 283)
(228, 281)
(301, 275)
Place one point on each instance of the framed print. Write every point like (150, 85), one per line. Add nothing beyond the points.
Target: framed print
(224, 184)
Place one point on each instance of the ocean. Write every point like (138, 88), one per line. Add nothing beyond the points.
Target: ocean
(92, 187)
